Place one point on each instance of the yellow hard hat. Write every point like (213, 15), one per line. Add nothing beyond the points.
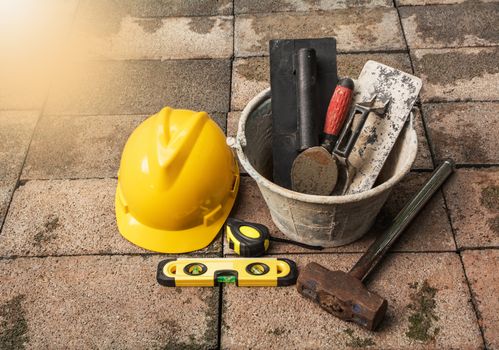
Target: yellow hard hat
(177, 182)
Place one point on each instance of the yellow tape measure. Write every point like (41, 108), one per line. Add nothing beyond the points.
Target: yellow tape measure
(249, 272)
(251, 239)
(247, 238)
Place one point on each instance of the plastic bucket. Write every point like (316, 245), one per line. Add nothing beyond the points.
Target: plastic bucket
(320, 220)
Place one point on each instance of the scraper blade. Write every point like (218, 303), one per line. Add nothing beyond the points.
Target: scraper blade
(380, 132)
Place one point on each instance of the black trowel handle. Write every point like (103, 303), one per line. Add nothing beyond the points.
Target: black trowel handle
(378, 249)
(306, 80)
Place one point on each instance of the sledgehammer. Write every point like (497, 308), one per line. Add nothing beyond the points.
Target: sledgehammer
(343, 294)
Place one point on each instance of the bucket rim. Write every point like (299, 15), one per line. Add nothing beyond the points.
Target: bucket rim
(310, 198)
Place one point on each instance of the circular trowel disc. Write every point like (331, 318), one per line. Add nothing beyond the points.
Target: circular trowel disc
(314, 171)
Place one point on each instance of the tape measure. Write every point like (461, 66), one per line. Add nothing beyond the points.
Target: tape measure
(244, 272)
(251, 239)
(247, 238)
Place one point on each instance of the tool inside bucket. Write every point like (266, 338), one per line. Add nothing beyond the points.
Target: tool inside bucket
(396, 92)
(351, 162)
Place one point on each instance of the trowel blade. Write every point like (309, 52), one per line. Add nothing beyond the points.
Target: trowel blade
(380, 132)
(314, 171)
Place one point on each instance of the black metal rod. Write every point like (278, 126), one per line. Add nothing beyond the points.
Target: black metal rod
(377, 250)
(306, 81)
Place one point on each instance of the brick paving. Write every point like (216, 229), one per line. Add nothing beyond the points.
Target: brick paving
(99, 67)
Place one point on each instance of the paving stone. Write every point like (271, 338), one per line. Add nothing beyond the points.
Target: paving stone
(276, 318)
(78, 147)
(251, 75)
(473, 199)
(430, 230)
(468, 24)
(101, 301)
(16, 128)
(232, 123)
(372, 29)
(465, 132)
(430, 2)
(112, 11)
(250, 6)
(140, 87)
(481, 268)
(466, 74)
(6, 190)
(155, 38)
(423, 157)
(22, 87)
(350, 65)
(67, 217)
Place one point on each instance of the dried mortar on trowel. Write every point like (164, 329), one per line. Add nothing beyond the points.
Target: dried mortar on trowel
(382, 101)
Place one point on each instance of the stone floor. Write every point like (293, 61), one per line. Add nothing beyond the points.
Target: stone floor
(77, 76)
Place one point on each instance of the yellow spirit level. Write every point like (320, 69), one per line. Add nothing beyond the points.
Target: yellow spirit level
(251, 272)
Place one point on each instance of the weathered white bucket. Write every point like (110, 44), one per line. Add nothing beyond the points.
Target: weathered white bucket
(319, 220)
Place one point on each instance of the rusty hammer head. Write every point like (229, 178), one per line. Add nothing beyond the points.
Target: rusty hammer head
(341, 294)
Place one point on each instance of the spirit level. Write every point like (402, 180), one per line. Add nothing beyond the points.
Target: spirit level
(244, 272)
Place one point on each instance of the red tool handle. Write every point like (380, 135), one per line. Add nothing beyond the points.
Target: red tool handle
(337, 112)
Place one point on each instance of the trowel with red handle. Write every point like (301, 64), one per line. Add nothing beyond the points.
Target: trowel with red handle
(315, 170)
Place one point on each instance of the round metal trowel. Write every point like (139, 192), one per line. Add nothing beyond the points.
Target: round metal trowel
(315, 171)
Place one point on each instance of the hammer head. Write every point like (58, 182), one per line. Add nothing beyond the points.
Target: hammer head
(342, 295)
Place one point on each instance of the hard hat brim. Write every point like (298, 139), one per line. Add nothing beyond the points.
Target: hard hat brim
(164, 241)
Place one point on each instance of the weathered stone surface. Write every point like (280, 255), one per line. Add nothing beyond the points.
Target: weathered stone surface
(251, 6)
(429, 231)
(468, 24)
(16, 128)
(22, 87)
(458, 74)
(104, 301)
(465, 132)
(356, 29)
(473, 199)
(111, 10)
(78, 147)
(481, 268)
(350, 65)
(140, 87)
(232, 123)
(277, 318)
(430, 2)
(423, 157)
(67, 217)
(251, 75)
(6, 190)
(155, 38)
